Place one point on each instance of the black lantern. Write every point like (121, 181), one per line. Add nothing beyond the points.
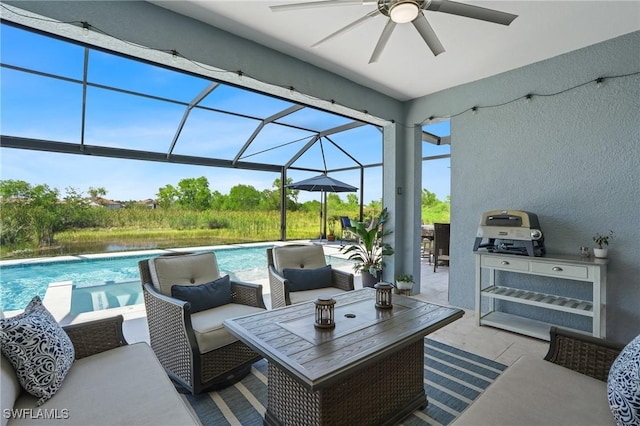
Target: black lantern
(324, 313)
(383, 295)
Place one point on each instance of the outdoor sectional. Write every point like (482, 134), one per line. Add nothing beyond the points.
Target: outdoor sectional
(109, 383)
(567, 387)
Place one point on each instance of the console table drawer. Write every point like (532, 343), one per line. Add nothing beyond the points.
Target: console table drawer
(567, 271)
(508, 263)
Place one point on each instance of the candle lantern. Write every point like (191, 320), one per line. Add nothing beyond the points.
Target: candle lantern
(383, 295)
(324, 313)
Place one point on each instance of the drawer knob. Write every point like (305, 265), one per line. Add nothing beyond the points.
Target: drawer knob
(504, 262)
(556, 268)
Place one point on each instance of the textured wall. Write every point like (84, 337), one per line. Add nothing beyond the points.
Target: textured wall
(573, 159)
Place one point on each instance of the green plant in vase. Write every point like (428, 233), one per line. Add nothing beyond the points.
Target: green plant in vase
(368, 253)
(404, 282)
(602, 240)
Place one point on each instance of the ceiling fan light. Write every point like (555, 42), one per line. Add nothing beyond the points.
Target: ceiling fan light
(404, 11)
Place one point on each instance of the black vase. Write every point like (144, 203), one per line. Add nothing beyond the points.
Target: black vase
(369, 280)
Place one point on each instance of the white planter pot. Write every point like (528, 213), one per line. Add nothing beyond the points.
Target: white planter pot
(404, 285)
(601, 253)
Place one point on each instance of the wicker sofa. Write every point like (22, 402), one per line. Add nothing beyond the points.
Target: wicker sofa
(567, 387)
(110, 383)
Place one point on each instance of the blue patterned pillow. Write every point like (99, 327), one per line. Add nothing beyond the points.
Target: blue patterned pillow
(623, 385)
(38, 348)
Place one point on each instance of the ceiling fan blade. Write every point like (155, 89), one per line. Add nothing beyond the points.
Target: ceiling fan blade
(382, 41)
(349, 27)
(323, 3)
(427, 33)
(470, 11)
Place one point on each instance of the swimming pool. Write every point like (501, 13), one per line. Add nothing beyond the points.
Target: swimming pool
(102, 283)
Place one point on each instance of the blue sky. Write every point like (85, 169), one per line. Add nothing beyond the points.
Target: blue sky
(46, 108)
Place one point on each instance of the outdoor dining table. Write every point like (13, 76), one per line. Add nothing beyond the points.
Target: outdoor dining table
(367, 370)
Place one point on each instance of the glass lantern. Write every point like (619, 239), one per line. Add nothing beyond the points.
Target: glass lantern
(325, 313)
(383, 295)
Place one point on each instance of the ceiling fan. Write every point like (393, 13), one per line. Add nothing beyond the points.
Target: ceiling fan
(402, 12)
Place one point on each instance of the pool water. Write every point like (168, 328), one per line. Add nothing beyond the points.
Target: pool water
(19, 283)
(105, 296)
(114, 281)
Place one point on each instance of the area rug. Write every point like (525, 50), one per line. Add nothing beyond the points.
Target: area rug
(453, 379)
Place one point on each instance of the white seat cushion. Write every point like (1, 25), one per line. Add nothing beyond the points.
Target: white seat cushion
(307, 295)
(537, 392)
(209, 330)
(10, 386)
(307, 257)
(188, 269)
(122, 386)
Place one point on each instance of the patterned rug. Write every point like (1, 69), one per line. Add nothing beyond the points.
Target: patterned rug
(453, 379)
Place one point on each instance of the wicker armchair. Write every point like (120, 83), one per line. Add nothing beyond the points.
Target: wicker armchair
(194, 348)
(301, 256)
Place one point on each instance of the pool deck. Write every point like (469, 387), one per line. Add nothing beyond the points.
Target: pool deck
(57, 299)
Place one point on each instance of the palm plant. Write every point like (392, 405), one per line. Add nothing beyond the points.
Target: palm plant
(369, 252)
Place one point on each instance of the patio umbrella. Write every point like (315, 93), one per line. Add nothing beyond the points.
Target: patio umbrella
(324, 184)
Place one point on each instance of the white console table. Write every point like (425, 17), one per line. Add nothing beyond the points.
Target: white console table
(591, 270)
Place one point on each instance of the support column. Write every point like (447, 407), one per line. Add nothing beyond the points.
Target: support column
(402, 191)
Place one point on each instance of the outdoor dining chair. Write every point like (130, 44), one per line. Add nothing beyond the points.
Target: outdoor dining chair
(441, 237)
(346, 233)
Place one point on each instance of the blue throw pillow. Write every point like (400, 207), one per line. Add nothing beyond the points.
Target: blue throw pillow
(204, 296)
(308, 279)
(623, 385)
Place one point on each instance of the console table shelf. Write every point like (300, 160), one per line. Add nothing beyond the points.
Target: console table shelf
(566, 267)
(542, 300)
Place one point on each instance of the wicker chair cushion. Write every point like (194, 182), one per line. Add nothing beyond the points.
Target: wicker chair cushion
(308, 256)
(204, 296)
(39, 350)
(305, 296)
(623, 385)
(209, 330)
(189, 269)
(307, 279)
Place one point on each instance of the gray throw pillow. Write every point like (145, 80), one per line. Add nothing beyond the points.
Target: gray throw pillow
(204, 296)
(38, 348)
(308, 279)
(623, 385)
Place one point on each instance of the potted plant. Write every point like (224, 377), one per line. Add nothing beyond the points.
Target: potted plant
(332, 230)
(369, 251)
(404, 282)
(602, 241)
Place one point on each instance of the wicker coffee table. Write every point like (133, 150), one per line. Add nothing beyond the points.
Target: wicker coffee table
(367, 370)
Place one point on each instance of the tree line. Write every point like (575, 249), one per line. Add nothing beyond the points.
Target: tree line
(33, 214)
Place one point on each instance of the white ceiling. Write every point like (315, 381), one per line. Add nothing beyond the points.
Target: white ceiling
(407, 69)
